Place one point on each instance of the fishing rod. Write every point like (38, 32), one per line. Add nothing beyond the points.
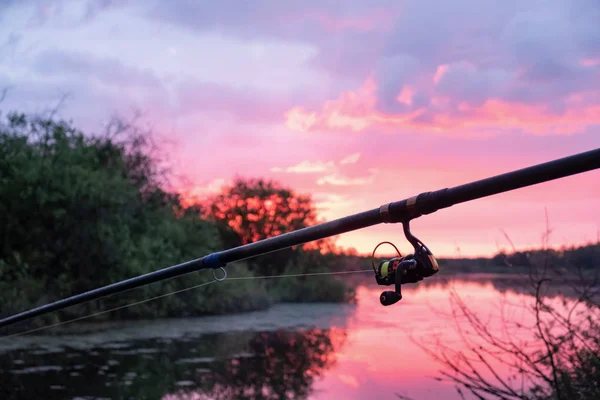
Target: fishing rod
(396, 271)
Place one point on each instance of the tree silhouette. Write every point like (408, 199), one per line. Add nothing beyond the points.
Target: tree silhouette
(254, 209)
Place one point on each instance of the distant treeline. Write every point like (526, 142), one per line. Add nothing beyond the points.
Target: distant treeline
(586, 257)
(573, 258)
(78, 211)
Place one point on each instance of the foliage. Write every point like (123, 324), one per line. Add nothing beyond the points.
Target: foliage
(254, 209)
(257, 209)
(552, 353)
(78, 211)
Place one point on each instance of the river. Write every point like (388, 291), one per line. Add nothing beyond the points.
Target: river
(314, 351)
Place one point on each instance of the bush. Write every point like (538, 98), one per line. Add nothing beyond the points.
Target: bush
(80, 211)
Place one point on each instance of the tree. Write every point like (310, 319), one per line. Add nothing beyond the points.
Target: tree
(78, 211)
(254, 209)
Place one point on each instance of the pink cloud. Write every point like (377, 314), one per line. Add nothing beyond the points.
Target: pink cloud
(349, 380)
(354, 111)
(406, 96)
(357, 111)
(351, 159)
(439, 73)
(332, 205)
(534, 119)
(334, 174)
(192, 192)
(306, 167)
(590, 62)
(300, 120)
(337, 179)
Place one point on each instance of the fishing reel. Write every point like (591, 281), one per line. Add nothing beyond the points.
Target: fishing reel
(408, 269)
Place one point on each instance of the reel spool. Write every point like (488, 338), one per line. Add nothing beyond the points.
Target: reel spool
(408, 269)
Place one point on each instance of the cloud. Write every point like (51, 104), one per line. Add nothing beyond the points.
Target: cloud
(349, 380)
(334, 205)
(338, 179)
(58, 12)
(418, 69)
(590, 62)
(335, 176)
(350, 159)
(306, 167)
(308, 20)
(213, 186)
(352, 111)
(327, 201)
(466, 82)
(112, 85)
(462, 57)
(102, 71)
(392, 75)
(192, 193)
(439, 73)
(245, 104)
(474, 72)
(299, 120)
(465, 101)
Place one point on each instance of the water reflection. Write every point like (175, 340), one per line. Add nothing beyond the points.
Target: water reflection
(278, 364)
(317, 351)
(380, 357)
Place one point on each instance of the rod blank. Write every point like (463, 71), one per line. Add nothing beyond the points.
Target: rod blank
(400, 211)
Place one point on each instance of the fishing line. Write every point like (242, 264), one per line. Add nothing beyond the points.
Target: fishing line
(296, 275)
(180, 291)
(396, 271)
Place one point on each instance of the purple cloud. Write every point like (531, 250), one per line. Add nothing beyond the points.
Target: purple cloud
(507, 51)
(104, 71)
(494, 50)
(245, 104)
(464, 81)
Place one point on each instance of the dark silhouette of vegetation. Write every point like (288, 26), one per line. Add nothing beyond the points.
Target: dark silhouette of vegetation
(236, 365)
(254, 209)
(552, 352)
(78, 211)
(584, 257)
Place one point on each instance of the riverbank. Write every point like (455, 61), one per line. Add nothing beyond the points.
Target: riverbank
(242, 293)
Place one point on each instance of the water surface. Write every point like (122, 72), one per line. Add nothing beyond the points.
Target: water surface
(315, 351)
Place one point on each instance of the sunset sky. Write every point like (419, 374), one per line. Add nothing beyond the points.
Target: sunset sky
(358, 103)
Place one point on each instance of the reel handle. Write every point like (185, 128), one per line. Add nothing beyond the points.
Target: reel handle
(389, 297)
